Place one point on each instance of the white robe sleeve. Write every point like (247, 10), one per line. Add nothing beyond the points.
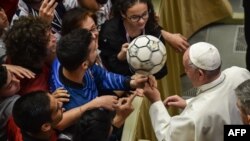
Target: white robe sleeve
(177, 128)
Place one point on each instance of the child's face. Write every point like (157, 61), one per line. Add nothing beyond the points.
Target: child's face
(137, 15)
(3, 19)
(11, 87)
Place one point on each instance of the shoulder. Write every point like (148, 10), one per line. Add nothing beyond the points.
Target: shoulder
(234, 69)
(9, 100)
(23, 9)
(56, 64)
(95, 69)
(111, 26)
(54, 80)
(242, 73)
(112, 33)
(154, 31)
(7, 104)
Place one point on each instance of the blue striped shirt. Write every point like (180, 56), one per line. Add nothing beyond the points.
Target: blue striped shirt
(96, 78)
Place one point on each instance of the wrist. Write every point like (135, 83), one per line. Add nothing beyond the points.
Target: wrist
(155, 100)
(91, 105)
(132, 84)
(166, 35)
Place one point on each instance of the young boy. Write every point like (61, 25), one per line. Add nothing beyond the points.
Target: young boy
(9, 87)
(76, 71)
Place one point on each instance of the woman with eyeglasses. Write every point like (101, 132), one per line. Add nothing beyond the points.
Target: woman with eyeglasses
(79, 18)
(132, 18)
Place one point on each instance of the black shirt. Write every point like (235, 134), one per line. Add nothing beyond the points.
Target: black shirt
(111, 38)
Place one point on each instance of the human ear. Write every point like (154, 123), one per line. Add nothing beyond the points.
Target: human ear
(46, 127)
(201, 74)
(248, 119)
(85, 65)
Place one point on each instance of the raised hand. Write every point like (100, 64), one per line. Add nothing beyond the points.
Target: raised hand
(123, 110)
(124, 105)
(122, 54)
(19, 71)
(61, 95)
(151, 92)
(47, 10)
(152, 81)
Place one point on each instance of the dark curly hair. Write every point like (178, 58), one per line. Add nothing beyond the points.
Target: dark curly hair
(26, 42)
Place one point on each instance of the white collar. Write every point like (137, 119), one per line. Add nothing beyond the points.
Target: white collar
(211, 85)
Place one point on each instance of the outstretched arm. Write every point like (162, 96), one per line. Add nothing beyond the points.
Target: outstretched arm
(122, 54)
(20, 71)
(166, 127)
(177, 41)
(72, 116)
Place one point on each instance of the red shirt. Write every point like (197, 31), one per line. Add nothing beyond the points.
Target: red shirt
(10, 7)
(40, 82)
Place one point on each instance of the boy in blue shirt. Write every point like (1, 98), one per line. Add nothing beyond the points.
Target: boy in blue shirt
(75, 70)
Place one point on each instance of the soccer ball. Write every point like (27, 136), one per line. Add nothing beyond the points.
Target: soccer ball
(146, 55)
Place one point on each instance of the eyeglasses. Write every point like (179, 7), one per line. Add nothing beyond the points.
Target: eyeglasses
(136, 18)
(95, 29)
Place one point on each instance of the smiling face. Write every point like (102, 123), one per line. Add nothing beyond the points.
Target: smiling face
(137, 15)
